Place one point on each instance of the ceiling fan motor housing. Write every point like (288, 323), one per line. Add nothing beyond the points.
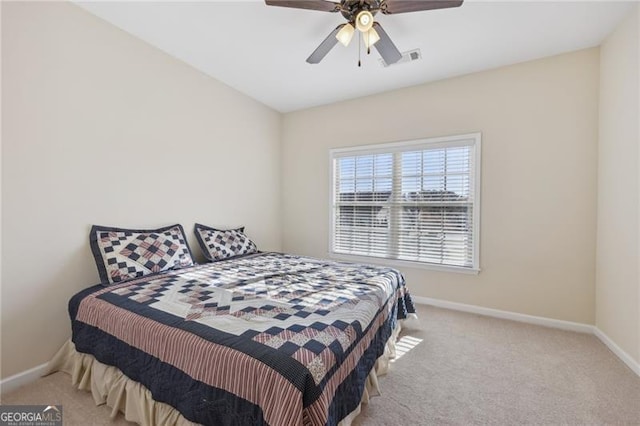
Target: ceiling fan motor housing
(351, 8)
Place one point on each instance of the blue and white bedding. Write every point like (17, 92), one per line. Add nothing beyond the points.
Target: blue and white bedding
(263, 339)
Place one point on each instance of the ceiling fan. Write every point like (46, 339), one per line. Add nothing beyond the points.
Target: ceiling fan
(360, 15)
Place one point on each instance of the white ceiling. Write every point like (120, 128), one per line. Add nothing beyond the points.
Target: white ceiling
(261, 50)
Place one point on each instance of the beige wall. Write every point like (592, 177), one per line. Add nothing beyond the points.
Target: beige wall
(99, 127)
(618, 276)
(539, 124)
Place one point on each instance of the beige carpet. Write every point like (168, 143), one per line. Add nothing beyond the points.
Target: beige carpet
(464, 369)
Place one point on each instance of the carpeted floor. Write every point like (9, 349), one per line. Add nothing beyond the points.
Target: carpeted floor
(458, 369)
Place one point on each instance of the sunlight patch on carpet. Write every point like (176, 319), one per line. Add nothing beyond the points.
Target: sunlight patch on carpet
(404, 345)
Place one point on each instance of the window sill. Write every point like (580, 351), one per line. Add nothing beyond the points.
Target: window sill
(402, 263)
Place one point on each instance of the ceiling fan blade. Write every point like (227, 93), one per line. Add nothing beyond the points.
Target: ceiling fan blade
(321, 5)
(404, 6)
(385, 46)
(325, 46)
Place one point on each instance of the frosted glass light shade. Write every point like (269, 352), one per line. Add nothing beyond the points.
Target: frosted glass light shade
(371, 37)
(345, 34)
(364, 21)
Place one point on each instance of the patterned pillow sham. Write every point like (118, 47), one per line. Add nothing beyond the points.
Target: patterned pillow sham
(219, 244)
(123, 254)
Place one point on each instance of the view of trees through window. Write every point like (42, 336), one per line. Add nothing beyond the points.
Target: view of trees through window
(413, 205)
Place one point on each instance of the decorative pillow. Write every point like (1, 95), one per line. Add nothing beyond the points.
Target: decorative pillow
(123, 254)
(219, 244)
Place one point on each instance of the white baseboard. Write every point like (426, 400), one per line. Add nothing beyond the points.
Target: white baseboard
(620, 353)
(513, 316)
(531, 319)
(21, 379)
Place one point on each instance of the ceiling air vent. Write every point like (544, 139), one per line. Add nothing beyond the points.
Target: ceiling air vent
(408, 56)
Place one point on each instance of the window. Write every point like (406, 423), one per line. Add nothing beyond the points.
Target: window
(414, 201)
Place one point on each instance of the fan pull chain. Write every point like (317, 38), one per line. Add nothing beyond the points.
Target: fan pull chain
(368, 45)
(359, 45)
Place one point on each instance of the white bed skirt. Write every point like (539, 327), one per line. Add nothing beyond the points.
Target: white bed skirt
(110, 386)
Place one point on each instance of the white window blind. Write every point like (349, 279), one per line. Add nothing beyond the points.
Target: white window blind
(413, 201)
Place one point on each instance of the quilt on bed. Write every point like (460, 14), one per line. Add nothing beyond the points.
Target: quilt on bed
(263, 339)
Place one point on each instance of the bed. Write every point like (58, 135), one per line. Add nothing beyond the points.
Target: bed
(266, 338)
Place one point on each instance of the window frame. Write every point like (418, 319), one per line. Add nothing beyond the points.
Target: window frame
(407, 145)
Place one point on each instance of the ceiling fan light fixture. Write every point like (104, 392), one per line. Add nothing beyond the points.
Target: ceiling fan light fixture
(359, 14)
(364, 21)
(345, 34)
(371, 37)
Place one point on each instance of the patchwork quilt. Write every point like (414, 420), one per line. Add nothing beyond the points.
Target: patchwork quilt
(267, 338)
